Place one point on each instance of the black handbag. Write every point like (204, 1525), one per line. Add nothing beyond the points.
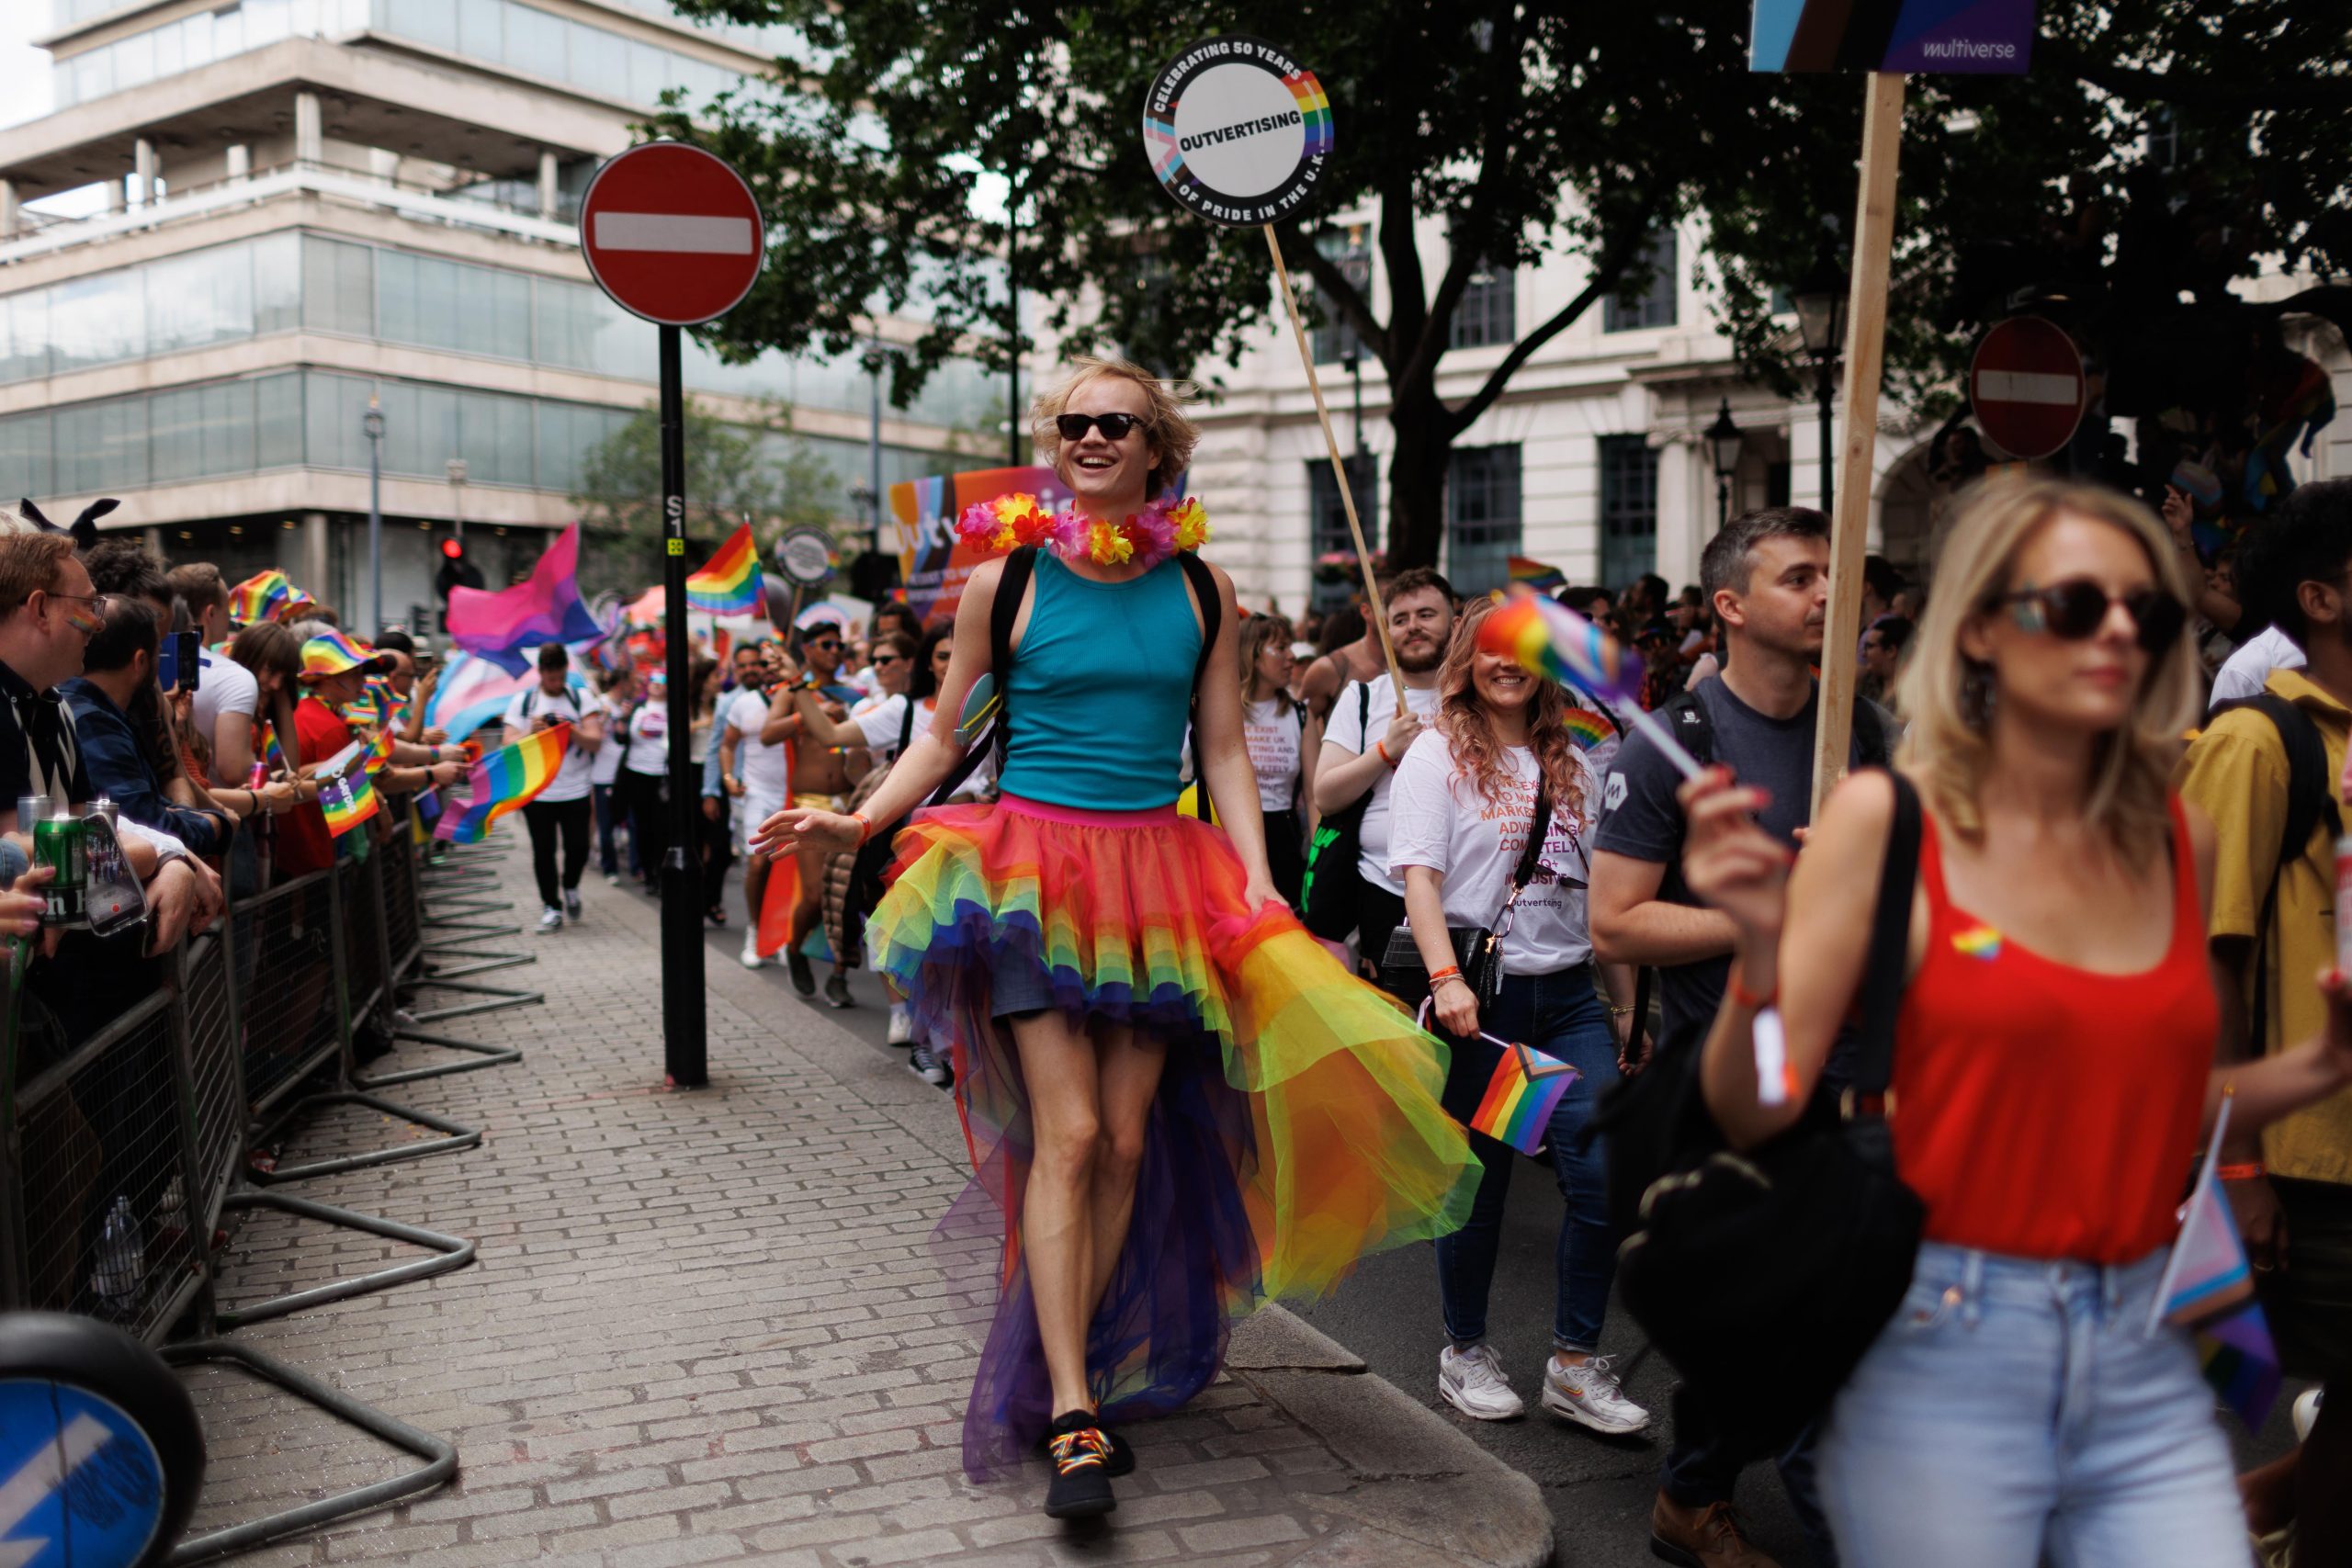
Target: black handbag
(1477, 950)
(1804, 1244)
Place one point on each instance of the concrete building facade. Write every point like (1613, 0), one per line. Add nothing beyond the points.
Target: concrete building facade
(312, 204)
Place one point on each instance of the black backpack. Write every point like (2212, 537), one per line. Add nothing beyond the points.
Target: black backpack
(2310, 802)
(1330, 898)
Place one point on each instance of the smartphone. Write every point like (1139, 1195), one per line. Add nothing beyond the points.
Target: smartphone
(167, 663)
(191, 661)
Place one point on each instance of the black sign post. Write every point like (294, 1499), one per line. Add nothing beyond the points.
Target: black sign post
(684, 1021)
(672, 234)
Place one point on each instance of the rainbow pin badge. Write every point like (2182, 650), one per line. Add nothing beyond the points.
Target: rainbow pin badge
(1980, 941)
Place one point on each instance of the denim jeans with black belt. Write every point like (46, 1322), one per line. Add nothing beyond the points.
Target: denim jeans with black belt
(1562, 1016)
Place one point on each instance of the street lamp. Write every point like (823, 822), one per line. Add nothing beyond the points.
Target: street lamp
(1821, 323)
(1724, 444)
(457, 470)
(372, 424)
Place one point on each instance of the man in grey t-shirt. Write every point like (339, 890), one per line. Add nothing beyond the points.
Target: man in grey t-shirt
(1767, 575)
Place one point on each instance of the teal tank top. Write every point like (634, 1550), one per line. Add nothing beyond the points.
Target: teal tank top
(1102, 690)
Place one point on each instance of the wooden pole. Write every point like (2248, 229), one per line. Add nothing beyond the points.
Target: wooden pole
(1373, 611)
(1865, 363)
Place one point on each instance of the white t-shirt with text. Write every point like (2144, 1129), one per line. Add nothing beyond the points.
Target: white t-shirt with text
(1273, 730)
(649, 739)
(1358, 736)
(760, 765)
(1441, 820)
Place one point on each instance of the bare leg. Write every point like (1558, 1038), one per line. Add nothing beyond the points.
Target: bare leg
(755, 886)
(810, 906)
(1129, 1072)
(1057, 1063)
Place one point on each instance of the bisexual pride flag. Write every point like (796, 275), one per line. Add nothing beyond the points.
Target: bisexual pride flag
(501, 625)
(728, 583)
(504, 781)
(2207, 1288)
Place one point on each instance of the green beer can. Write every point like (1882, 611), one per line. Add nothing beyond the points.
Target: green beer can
(58, 843)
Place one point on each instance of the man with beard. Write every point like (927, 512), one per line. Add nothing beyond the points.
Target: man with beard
(1365, 739)
(822, 778)
(1767, 576)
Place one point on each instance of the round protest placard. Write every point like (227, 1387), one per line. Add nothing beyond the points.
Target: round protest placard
(805, 556)
(1238, 131)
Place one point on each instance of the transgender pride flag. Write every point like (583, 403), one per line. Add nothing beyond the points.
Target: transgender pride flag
(2207, 1288)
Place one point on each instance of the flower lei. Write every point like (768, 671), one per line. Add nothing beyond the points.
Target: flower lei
(1146, 539)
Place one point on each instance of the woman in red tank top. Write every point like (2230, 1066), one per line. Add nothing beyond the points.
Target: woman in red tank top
(2054, 1055)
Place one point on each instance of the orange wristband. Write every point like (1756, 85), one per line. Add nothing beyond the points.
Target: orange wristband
(1742, 996)
(1382, 747)
(1451, 972)
(2251, 1170)
(864, 827)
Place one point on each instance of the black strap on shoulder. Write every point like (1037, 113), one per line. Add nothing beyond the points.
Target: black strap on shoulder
(1012, 587)
(1870, 747)
(1884, 971)
(1204, 581)
(2310, 802)
(905, 727)
(1685, 717)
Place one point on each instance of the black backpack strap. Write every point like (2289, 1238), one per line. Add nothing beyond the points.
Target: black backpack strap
(1870, 734)
(1685, 716)
(905, 727)
(1004, 611)
(2310, 802)
(1204, 581)
(1884, 971)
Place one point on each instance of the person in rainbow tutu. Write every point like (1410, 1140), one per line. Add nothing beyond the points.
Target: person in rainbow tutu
(1177, 1104)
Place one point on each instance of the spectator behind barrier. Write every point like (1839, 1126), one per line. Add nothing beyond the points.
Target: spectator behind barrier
(118, 670)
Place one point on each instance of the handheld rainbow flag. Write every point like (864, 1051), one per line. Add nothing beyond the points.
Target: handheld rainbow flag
(1536, 574)
(505, 781)
(728, 583)
(348, 801)
(1515, 1104)
(2207, 1288)
(1546, 637)
(273, 755)
(1587, 729)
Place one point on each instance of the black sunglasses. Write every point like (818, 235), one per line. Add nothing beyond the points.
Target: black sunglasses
(1114, 426)
(2073, 610)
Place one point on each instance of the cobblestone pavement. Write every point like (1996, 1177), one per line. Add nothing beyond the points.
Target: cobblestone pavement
(708, 1326)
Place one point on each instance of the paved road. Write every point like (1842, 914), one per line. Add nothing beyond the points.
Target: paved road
(1599, 1489)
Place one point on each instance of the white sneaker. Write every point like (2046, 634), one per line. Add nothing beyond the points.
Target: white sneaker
(550, 919)
(571, 905)
(1474, 1383)
(1588, 1395)
(2306, 1413)
(902, 1028)
(612, 879)
(751, 959)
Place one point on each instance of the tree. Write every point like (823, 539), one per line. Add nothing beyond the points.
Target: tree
(732, 476)
(1533, 129)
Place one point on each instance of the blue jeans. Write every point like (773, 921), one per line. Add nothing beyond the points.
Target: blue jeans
(1561, 1016)
(2016, 1410)
(608, 816)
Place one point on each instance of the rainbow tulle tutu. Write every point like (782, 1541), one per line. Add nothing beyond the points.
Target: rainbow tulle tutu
(1297, 1128)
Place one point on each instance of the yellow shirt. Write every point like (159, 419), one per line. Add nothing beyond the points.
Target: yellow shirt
(2237, 773)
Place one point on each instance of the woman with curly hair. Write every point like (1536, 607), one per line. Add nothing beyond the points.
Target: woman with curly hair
(1178, 1103)
(1468, 798)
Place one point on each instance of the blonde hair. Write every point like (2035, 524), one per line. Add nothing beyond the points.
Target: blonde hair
(1165, 424)
(1947, 748)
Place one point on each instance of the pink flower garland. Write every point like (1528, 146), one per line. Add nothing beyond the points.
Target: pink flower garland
(1146, 539)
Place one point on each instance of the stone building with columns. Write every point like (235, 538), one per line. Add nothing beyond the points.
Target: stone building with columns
(290, 208)
(1595, 459)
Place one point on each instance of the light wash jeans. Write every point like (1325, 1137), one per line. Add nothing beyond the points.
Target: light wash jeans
(2015, 1407)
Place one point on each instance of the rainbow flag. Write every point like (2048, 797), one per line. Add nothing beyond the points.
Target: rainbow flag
(348, 801)
(1536, 574)
(379, 752)
(728, 583)
(505, 781)
(1587, 729)
(1517, 1106)
(273, 755)
(2207, 1288)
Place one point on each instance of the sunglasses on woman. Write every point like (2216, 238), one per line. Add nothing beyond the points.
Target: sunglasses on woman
(2072, 611)
(1114, 426)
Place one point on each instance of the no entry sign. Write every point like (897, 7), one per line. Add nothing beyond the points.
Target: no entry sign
(672, 234)
(2026, 386)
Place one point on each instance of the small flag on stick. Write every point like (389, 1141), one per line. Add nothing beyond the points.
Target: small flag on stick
(2207, 1288)
(728, 583)
(347, 801)
(505, 781)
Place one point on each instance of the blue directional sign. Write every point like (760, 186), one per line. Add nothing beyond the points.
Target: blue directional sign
(81, 1485)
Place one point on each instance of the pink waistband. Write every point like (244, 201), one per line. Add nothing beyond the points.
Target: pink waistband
(1085, 817)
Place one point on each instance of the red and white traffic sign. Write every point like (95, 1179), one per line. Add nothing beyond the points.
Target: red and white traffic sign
(2026, 387)
(672, 234)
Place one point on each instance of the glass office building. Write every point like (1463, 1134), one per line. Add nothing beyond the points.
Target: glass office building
(284, 209)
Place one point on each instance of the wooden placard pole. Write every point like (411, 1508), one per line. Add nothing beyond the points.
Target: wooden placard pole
(1865, 363)
(1373, 610)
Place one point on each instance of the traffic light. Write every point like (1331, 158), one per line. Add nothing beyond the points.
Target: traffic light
(456, 571)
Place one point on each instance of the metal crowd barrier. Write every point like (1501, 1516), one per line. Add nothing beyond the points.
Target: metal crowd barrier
(123, 1155)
